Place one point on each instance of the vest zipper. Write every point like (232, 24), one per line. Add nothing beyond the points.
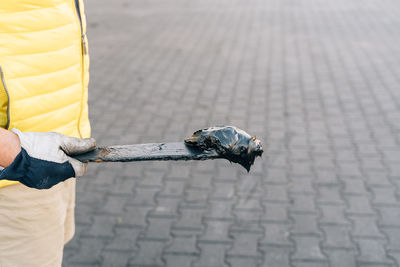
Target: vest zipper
(78, 12)
(84, 52)
(3, 80)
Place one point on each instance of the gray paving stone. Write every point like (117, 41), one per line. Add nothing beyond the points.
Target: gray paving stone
(365, 227)
(384, 195)
(247, 220)
(102, 226)
(302, 169)
(151, 178)
(333, 214)
(275, 212)
(390, 215)
(340, 257)
(378, 179)
(326, 177)
(304, 224)
(372, 251)
(303, 203)
(276, 193)
(242, 261)
(178, 172)
(178, 260)
(149, 254)
(276, 234)
(189, 222)
(220, 210)
(123, 187)
(307, 249)
(114, 204)
(250, 185)
(395, 256)
(74, 244)
(124, 240)
(329, 195)
(84, 215)
(317, 82)
(183, 246)
(105, 177)
(89, 252)
(301, 185)
(172, 189)
(201, 180)
(276, 175)
(354, 187)
(167, 207)
(393, 236)
(158, 228)
(337, 237)
(244, 245)
(276, 256)
(359, 205)
(90, 198)
(196, 197)
(211, 254)
(311, 264)
(349, 169)
(116, 258)
(222, 191)
(217, 231)
(144, 196)
(135, 216)
(249, 204)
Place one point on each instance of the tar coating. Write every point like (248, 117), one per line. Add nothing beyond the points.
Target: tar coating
(229, 142)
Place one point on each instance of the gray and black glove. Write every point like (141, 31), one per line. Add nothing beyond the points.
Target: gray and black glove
(44, 159)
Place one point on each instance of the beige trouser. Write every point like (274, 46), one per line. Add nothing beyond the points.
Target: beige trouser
(35, 224)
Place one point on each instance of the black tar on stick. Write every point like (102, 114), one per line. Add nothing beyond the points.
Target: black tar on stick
(226, 142)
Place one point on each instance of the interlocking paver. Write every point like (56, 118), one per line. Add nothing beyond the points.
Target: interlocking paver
(158, 228)
(372, 252)
(124, 239)
(189, 222)
(329, 195)
(341, 257)
(337, 237)
(211, 254)
(217, 231)
(305, 224)
(307, 249)
(276, 234)
(316, 81)
(116, 258)
(303, 203)
(89, 252)
(149, 253)
(144, 196)
(178, 260)
(275, 212)
(276, 256)
(359, 205)
(365, 227)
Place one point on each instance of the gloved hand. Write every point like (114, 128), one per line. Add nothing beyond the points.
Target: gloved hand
(44, 159)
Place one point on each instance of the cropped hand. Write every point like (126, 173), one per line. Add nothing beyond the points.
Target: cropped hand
(45, 161)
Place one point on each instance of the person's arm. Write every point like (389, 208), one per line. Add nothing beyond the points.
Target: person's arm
(10, 146)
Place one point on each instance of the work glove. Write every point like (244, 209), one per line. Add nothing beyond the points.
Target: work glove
(44, 159)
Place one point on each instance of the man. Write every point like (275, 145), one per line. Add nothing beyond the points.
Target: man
(43, 121)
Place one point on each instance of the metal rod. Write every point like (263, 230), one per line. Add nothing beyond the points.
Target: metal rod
(145, 152)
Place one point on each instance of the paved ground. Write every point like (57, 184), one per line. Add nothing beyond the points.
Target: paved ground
(318, 81)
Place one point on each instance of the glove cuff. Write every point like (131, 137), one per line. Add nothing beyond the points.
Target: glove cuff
(36, 173)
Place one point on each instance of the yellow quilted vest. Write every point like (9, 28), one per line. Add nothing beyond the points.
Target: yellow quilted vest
(44, 67)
